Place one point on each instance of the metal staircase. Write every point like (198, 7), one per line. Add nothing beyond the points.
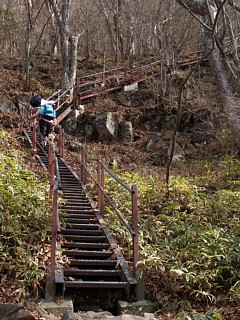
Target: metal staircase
(94, 260)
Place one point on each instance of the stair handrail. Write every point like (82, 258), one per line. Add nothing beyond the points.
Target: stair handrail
(102, 195)
(55, 184)
(24, 114)
(135, 67)
(54, 94)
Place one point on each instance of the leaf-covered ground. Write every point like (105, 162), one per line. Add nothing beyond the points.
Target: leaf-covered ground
(183, 206)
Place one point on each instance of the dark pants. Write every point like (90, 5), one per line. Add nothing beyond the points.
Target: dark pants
(45, 128)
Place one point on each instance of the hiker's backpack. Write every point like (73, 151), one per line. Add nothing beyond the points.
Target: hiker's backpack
(48, 112)
(36, 101)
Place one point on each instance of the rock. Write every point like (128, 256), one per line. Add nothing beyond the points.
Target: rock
(178, 155)
(131, 317)
(69, 315)
(69, 124)
(6, 105)
(149, 316)
(107, 126)
(89, 130)
(154, 143)
(138, 307)
(125, 131)
(90, 315)
(10, 311)
(7, 123)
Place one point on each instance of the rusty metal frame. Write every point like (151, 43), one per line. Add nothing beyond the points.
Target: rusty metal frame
(102, 195)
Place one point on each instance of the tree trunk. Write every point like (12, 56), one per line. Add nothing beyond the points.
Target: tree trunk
(218, 65)
(68, 54)
(26, 65)
(73, 60)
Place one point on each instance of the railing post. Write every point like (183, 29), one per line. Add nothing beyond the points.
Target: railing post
(34, 142)
(136, 267)
(50, 289)
(22, 120)
(135, 226)
(84, 166)
(54, 232)
(51, 168)
(101, 200)
(102, 192)
(62, 143)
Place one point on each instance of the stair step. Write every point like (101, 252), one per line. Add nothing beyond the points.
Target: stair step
(95, 284)
(88, 253)
(89, 215)
(85, 226)
(74, 198)
(70, 188)
(74, 195)
(86, 238)
(92, 272)
(81, 210)
(93, 263)
(70, 183)
(80, 220)
(81, 232)
(84, 245)
(73, 204)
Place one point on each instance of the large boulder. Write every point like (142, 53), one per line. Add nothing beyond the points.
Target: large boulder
(125, 131)
(138, 308)
(69, 124)
(6, 105)
(10, 311)
(107, 126)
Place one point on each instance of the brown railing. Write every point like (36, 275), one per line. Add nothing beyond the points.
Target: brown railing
(85, 175)
(102, 197)
(55, 183)
(54, 187)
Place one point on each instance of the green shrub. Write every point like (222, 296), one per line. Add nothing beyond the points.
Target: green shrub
(194, 241)
(24, 221)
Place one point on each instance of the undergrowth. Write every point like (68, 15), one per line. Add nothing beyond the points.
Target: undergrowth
(24, 222)
(189, 234)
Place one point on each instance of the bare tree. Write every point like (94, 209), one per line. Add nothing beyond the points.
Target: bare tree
(68, 43)
(112, 13)
(207, 13)
(29, 26)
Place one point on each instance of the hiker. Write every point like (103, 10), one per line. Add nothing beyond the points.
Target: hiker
(46, 114)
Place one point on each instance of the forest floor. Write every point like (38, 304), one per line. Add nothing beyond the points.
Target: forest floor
(45, 78)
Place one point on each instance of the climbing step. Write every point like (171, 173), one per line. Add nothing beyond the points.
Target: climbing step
(92, 261)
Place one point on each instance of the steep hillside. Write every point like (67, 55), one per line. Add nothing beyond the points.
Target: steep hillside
(197, 208)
